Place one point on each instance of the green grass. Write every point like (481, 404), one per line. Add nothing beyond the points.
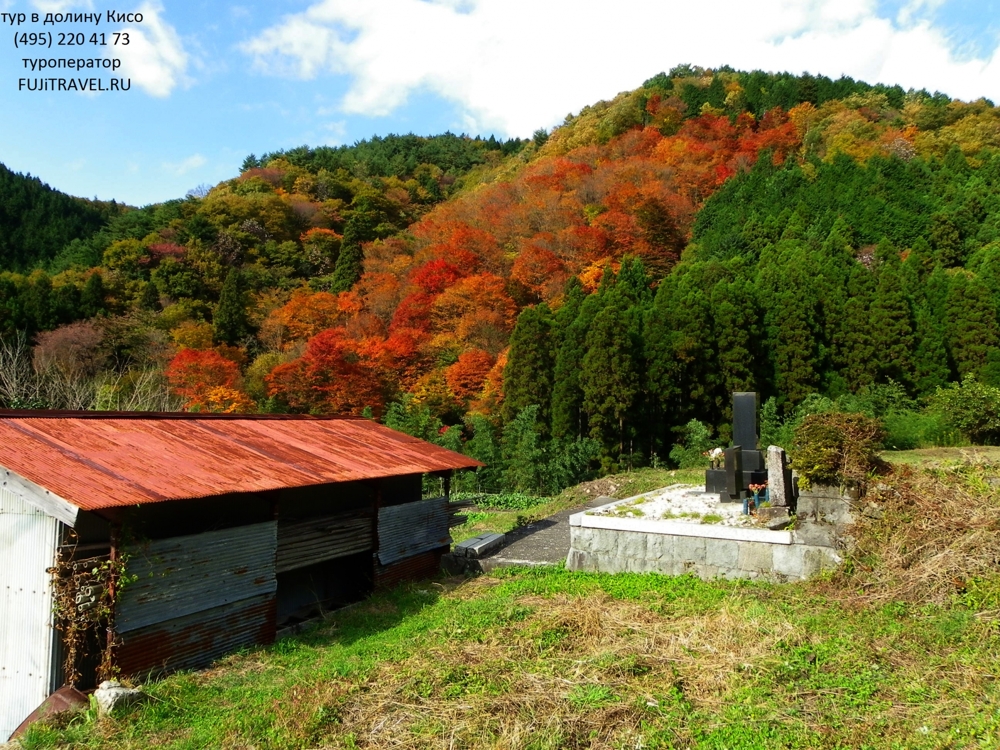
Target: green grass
(553, 659)
(944, 456)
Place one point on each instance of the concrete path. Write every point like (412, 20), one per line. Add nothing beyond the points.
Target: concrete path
(544, 542)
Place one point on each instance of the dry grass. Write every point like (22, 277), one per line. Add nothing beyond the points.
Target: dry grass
(583, 670)
(926, 535)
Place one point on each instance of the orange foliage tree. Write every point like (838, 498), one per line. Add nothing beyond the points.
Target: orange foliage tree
(193, 373)
(329, 378)
(477, 310)
(302, 317)
(465, 377)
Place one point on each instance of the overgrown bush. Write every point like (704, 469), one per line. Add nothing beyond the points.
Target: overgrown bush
(834, 447)
(695, 440)
(972, 408)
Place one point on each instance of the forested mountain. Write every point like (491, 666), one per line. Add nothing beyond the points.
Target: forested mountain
(36, 222)
(585, 294)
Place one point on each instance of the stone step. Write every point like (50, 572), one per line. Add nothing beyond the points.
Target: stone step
(479, 546)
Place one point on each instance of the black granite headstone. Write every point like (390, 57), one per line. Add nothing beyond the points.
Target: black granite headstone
(745, 420)
(745, 429)
(734, 473)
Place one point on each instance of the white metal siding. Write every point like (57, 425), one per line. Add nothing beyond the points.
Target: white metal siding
(28, 540)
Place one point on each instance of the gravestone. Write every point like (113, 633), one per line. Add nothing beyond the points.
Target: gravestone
(732, 486)
(734, 473)
(779, 477)
(745, 429)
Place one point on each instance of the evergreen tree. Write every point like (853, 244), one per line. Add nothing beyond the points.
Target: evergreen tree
(892, 326)
(736, 323)
(569, 418)
(528, 376)
(971, 323)
(524, 452)
(66, 304)
(230, 324)
(857, 359)
(483, 446)
(683, 377)
(350, 266)
(362, 226)
(37, 303)
(610, 380)
(150, 299)
(92, 299)
(931, 369)
(793, 332)
(569, 338)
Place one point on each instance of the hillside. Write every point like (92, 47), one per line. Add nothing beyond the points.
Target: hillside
(37, 222)
(583, 296)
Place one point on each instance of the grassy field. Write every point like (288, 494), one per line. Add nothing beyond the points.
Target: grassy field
(898, 649)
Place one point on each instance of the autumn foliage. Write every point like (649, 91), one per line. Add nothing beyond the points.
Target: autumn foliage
(194, 373)
(329, 378)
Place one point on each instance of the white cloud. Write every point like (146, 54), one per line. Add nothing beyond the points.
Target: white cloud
(514, 65)
(154, 58)
(61, 6)
(181, 168)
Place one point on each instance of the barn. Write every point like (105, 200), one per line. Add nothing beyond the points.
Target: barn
(139, 544)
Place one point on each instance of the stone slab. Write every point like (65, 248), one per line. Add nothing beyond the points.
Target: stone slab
(479, 546)
(779, 478)
(679, 528)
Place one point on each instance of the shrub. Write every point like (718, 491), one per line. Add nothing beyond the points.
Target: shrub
(906, 430)
(970, 407)
(500, 501)
(835, 447)
(695, 440)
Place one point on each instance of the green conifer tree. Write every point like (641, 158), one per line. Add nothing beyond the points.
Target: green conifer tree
(569, 337)
(92, 298)
(857, 359)
(229, 323)
(735, 324)
(971, 323)
(930, 359)
(362, 226)
(891, 323)
(528, 375)
(150, 299)
(609, 379)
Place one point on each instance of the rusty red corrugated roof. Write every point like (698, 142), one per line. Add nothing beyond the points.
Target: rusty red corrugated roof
(99, 460)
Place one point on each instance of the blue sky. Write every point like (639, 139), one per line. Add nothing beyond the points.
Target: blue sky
(215, 81)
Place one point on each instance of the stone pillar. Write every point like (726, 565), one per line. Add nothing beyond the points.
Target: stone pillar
(779, 479)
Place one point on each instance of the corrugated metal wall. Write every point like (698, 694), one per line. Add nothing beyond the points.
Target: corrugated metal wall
(303, 543)
(196, 598)
(28, 541)
(418, 567)
(412, 528)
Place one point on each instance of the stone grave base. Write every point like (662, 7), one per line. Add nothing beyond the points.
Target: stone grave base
(612, 544)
